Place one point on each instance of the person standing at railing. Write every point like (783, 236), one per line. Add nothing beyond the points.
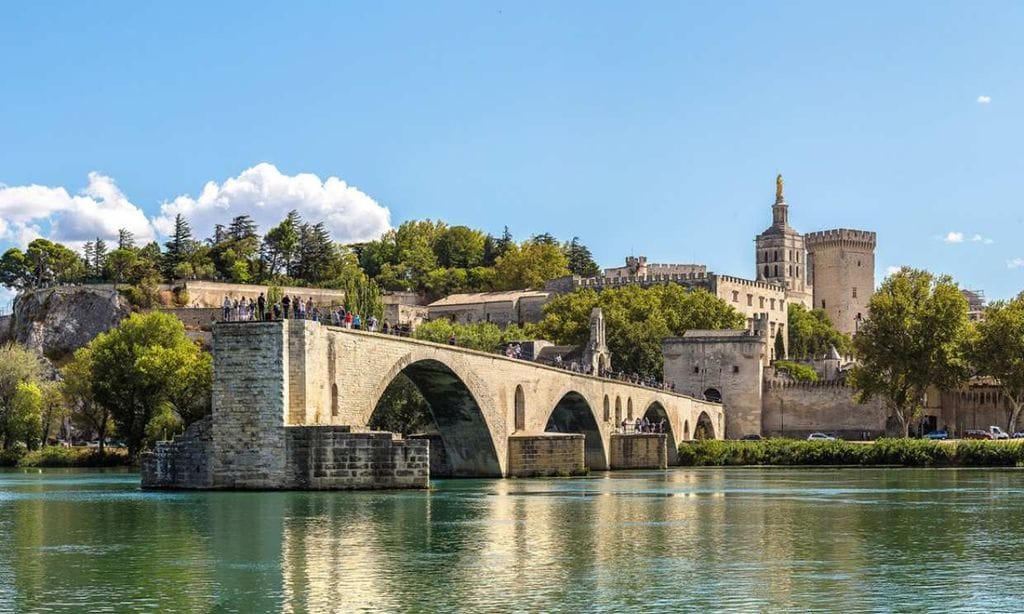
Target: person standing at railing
(227, 308)
(261, 307)
(285, 304)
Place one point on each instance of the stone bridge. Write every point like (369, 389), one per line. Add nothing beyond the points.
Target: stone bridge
(272, 379)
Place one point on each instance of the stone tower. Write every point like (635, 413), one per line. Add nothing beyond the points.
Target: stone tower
(841, 267)
(780, 256)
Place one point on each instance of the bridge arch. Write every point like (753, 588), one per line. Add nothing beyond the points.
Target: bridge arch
(655, 413)
(467, 438)
(705, 428)
(713, 395)
(573, 414)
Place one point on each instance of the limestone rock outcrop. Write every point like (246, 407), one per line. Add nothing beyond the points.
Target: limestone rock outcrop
(57, 321)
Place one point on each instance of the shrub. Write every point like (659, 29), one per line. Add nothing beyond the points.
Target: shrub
(886, 451)
(10, 458)
(59, 456)
(800, 373)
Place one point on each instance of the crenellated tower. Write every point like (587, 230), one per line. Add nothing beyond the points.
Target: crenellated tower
(841, 265)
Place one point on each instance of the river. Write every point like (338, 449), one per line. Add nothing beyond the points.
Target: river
(771, 539)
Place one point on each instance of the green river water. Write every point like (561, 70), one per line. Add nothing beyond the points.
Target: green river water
(771, 539)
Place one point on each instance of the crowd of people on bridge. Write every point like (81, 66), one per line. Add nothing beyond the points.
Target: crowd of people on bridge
(643, 425)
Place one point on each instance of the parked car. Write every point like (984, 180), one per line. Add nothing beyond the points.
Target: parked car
(977, 435)
(1018, 435)
(938, 435)
(998, 433)
(751, 438)
(820, 437)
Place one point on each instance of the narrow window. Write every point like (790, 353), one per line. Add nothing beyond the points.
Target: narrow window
(854, 292)
(735, 369)
(822, 303)
(750, 300)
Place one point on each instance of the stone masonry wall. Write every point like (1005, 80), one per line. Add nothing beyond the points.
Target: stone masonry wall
(250, 396)
(182, 463)
(639, 451)
(546, 454)
(326, 457)
(796, 410)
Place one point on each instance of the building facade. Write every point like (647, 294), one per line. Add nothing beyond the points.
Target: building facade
(841, 265)
(780, 253)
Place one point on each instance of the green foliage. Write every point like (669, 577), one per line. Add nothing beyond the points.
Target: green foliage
(363, 297)
(144, 364)
(76, 385)
(59, 456)
(529, 265)
(401, 409)
(800, 373)
(997, 351)
(274, 294)
(26, 422)
(637, 320)
(20, 372)
(886, 451)
(812, 335)
(482, 336)
(580, 260)
(916, 337)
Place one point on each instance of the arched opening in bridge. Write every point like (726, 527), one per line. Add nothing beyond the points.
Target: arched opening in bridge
(607, 409)
(334, 399)
(520, 409)
(618, 411)
(658, 417)
(572, 414)
(686, 430)
(427, 399)
(705, 428)
(713, 395)
(629, 409)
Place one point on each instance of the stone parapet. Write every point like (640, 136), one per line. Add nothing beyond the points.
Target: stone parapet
(546, 454)
(639, 451)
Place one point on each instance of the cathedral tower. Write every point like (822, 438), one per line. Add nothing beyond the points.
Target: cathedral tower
(781, 256)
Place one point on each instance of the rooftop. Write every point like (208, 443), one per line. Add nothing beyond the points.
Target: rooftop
(472, 298)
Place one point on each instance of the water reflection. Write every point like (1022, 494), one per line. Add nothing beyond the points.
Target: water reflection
(741, 539)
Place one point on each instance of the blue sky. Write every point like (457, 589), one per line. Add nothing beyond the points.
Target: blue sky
(645, 128)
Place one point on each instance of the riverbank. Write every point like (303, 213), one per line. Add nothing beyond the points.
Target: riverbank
(889, 452)
(59, 456)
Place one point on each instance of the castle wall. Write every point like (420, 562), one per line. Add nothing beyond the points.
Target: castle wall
(211, 293)
(970, 408)
(793, 409)
(752, 298)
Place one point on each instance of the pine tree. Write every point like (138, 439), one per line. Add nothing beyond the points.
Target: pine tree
(179, 247)
(88, 256)
(780, 346)
(581, 262)
(242, 227)
(99, 257)
(125, 239)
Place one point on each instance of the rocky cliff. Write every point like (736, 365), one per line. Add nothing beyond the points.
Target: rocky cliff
(57, 321)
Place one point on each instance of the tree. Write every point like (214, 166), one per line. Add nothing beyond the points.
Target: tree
(281, 244)
(18, 366)
(914, 338)
(50, 263)
(53, 410)
(14, 270)
(86, 414)
(998, 352)
(139, 367)
(812, 335)
(637, 320)
(179, 247)
(581, 262)
(780, 346)
(530, 265)
(25, 420)
(482, 336)
(125, 239)
(99, 256)
(460, 247)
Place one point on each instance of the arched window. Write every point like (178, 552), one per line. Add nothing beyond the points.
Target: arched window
(686, 430)
(607, 409)
(520, 409)
(618, 410)
(776, 270)
(776, 258)
(629, 409)
(766, 271)
(334, 399)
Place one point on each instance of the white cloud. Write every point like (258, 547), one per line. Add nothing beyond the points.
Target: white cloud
(954, 237)
(1015, 263)
(267, 195)
(980, 239)
(984, 99)
(98, 210)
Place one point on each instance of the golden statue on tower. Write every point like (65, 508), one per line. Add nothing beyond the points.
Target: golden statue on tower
(778, 187)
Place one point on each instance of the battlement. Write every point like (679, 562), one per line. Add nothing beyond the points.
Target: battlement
(840, 235)
(629, 280)
(764, 285)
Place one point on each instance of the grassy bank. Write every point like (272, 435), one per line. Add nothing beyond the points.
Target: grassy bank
(56, 456)
(901, 452)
